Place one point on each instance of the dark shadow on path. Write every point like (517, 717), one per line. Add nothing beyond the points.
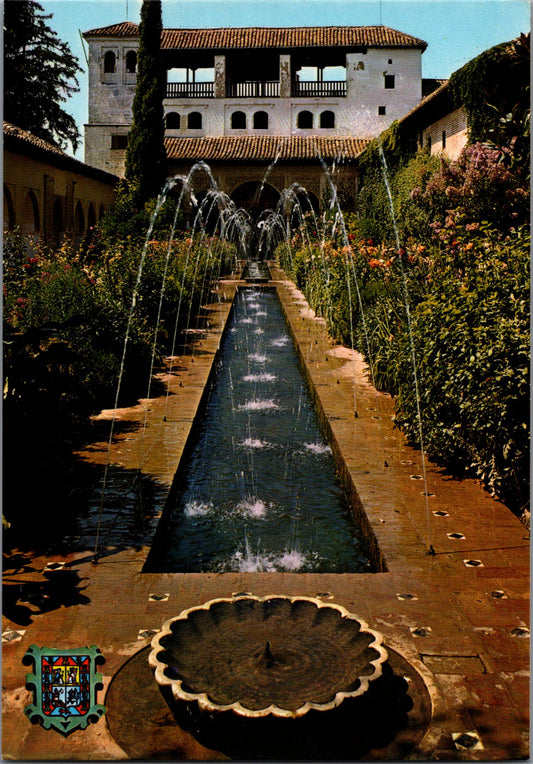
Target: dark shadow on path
(24, 599)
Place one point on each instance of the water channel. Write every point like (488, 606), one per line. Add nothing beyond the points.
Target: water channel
(258, 489)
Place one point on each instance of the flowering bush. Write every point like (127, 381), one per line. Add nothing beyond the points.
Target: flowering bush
(65, 319)
(468, 300)
(479, 186)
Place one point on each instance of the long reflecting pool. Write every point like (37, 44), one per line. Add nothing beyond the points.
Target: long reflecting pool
(258, 490)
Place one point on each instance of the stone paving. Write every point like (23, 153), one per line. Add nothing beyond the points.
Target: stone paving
(451, 595)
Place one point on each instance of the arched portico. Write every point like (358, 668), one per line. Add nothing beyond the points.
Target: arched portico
(254, 197)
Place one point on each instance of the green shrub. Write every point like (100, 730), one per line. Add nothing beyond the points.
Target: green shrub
(65, 320)
(468, 297)
(471, 341)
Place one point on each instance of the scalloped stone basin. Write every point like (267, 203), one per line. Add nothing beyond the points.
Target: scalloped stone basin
(272, 656)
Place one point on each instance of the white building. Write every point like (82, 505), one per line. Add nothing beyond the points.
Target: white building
(303, 88)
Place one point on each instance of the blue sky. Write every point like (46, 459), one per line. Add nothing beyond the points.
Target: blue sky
(455, 30)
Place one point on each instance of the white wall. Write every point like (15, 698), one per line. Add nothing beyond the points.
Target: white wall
(453, 127)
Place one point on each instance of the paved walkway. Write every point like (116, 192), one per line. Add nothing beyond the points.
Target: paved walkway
(459, 616)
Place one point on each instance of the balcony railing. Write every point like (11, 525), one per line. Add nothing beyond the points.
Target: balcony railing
(320, 89)
(190, 90)
(255, 89)
(252, 89)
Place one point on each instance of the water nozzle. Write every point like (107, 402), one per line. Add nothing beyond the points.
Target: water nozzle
(268, 658)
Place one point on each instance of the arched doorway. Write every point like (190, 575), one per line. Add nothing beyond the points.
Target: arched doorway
(30, 217)
(91, 226)
(9, 210)
(254, 197)
(91, 216)
(300, 204)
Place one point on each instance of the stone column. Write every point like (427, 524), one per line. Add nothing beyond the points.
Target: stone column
(220, 76)
(48, 209)
(69, 207)
(285, 75)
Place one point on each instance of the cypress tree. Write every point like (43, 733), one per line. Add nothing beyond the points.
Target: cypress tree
(145, 155)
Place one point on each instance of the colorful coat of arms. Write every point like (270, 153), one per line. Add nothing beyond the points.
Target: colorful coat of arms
(64, 685)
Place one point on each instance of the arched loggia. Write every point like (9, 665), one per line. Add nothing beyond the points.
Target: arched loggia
(254, 197)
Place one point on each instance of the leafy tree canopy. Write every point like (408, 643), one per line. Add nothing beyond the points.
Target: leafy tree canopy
(39, 74)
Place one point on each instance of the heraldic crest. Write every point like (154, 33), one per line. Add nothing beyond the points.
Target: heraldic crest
(64, 686)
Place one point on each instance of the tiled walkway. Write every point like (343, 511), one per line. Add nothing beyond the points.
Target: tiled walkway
(459, 616)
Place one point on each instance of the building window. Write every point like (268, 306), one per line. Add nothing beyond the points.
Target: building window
(194, 121)
(172, 121)
(261, 120)
(131, 61)
(428, 143)
(444, 139)
(382, 110)
(390, 81)
(327, 119)
(119, 141)
(238, 120)
(110, 62)
(304, 120)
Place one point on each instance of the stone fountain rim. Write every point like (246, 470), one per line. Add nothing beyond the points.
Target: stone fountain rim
(206, 704)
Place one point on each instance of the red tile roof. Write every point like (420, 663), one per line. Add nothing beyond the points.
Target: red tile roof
(270, 37)
(20, 141)
(124, 29)
(263, 148)
(11, 131)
